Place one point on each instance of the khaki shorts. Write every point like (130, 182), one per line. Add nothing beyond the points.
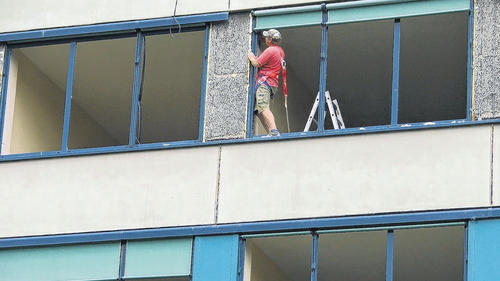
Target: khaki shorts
(263, 98)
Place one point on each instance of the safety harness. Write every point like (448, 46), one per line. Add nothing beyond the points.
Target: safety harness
(262, 79)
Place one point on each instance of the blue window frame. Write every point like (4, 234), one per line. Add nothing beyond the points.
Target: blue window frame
(110, 60)
(402, 102)
(420, 252)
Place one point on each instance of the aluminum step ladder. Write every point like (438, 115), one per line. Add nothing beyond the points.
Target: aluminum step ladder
(333, 108)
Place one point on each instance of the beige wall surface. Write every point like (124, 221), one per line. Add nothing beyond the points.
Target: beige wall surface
(60, 13)
(358, 174)
(249, 5)
(108, 192)
(496, 166)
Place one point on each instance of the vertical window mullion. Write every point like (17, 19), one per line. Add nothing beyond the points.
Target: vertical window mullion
(470, 44)
(123, 255)
(390, 256)
(69, 96)
(135, 91)
(251, 79)
(395, 72)
(466, 250)
(323, 67)
(314, 257)
(3, 92)
(241, 259)
(201, 126)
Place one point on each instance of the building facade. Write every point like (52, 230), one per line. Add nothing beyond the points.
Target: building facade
(130, 151)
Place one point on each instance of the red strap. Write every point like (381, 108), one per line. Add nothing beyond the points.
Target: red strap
(283, 72)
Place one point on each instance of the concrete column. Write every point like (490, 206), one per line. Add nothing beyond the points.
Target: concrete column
(227, 85)
(486, 59)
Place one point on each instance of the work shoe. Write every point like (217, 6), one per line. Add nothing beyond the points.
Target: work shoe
(274, 133)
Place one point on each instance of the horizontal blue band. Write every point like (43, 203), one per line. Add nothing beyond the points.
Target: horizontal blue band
(106, 28)
(257, 227)
(284, 136)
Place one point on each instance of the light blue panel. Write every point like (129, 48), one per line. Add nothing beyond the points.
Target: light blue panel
(484, 250)
(396, 10)
(72, 262)
(158, 258)
(215, 258)
(288, 20)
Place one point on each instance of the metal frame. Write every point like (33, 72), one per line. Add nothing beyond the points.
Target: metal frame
(204, 77)
(135, 92)
(323, 68)
(110, 28)
(389, 256)
(470, 50)
(69, 96)
(251, 83)
(363, 221)
(315, 235)
(123, 258)
(396, 58)
(3, 92)
(249, 137)
(395, 72)
(121, 30)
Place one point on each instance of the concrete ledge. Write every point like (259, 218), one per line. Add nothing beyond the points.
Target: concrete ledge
(393, 172)
(108, 192)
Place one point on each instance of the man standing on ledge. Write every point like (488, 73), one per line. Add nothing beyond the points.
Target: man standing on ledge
(270, 65)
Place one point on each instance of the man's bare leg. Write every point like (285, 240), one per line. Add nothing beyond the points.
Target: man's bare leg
(267, 119)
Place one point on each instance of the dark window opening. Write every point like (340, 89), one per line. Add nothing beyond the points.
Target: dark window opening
(172, 87)
(302, 53)
(433, 68)
(359, 72)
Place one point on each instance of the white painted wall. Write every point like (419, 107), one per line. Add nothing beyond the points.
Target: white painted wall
(61, 13)
(108, 192)
(331, 176)
(496, 166)
(358, 174)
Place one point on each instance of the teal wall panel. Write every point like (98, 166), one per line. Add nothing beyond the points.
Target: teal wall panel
(484, 250)
(71, 262)
(396, 10)
(158, 258)
(288, 20)
(215, 258)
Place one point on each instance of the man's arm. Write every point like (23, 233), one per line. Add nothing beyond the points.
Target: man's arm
(253, 59)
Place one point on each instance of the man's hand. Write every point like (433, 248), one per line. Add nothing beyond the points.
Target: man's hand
(253, 59)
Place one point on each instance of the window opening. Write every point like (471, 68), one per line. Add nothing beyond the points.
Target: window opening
(171, 91)
(359, 72)
(280, 258)
(429, 254)
(102, 93)
(352, 256)
(302, 47)
(36, 90)
(433, 68)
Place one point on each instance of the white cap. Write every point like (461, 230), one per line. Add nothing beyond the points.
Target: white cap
(273, 34)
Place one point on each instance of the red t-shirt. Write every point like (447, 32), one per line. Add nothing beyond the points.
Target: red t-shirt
(270, 63)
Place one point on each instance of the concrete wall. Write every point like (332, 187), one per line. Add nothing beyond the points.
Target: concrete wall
(411, 171)
(108, 192)
(321, 177)
(59, 13)
(227, 85)
(486, 59)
